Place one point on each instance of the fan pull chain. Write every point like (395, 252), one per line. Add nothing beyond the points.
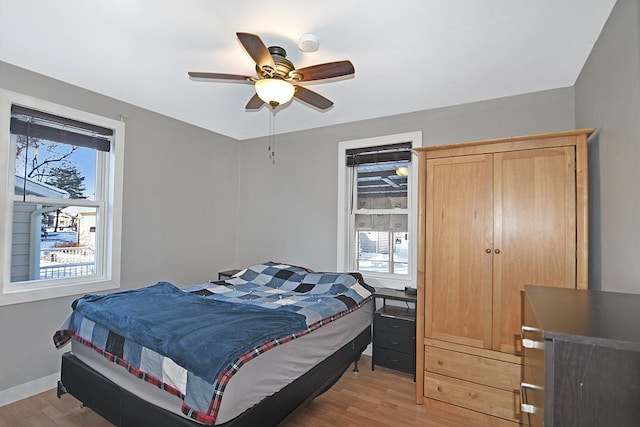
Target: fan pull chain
(272, 139)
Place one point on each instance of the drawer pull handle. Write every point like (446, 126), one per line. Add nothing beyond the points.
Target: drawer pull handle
(440, 362)
(524, 406)
(393, 360)
(439, 388)
(394, 342)
(526, 328)
(528, 409)
(527, 343)
(531, 386)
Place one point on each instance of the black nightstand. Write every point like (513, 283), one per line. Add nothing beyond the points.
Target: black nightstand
(223, 275)
(394, 332)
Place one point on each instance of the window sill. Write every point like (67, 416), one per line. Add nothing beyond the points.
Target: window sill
(388, 280)
(9, 297)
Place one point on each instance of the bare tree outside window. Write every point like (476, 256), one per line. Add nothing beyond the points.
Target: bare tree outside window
(51, 174)
(63, 222)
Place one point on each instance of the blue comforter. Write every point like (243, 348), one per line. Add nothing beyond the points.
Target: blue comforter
(206, 341)
(210, 330)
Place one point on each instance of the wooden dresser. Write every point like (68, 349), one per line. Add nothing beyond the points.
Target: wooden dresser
(493, 216)
(582, 358)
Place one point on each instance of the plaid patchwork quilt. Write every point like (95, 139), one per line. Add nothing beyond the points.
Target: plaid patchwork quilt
(318, 298)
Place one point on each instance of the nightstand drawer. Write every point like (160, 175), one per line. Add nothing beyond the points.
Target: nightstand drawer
(396, 342)
(394, 331)
(395, 360)
(394, 325)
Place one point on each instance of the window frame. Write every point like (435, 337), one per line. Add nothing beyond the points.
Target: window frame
(109, 242)
(346, 231)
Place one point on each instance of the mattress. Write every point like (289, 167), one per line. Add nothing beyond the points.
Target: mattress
(272, 323)
(259, 378)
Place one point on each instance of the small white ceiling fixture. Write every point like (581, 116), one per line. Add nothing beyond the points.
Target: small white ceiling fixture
(308, 42)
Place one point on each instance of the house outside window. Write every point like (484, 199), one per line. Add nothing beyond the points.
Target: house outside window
(376, 208)
(61, 208)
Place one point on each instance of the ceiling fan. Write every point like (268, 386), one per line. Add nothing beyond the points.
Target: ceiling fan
(277, 78)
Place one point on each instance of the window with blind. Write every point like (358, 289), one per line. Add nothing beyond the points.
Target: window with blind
(62, 209)
(378, 223)
(379, 208)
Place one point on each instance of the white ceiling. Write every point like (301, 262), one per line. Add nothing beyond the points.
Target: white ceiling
(409, 55)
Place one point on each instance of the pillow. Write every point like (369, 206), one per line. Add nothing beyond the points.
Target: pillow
(273, 274)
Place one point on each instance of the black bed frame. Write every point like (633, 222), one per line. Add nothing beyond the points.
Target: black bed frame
(125, 409)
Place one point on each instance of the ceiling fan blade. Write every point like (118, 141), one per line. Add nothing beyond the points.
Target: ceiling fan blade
(203, 76)
(256, 50)
(254, 103)
(312, 98)
(323, 71)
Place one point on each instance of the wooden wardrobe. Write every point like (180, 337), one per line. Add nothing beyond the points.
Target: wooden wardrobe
(493, 216)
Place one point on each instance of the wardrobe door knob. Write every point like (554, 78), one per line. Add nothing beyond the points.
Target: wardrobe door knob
(497, 251)
(488, 250)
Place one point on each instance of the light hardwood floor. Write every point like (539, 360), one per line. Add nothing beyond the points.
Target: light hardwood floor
(381, 398)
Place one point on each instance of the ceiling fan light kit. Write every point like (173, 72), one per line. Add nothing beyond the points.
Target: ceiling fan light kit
(274, 91)
(274, 70)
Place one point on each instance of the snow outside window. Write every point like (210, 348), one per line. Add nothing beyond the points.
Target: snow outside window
(62, 200)
(376, 222)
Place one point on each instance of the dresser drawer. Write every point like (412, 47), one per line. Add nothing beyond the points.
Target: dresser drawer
(396, 342)
(397, 360)
(394, 325)
(477, 369)
(487, 400)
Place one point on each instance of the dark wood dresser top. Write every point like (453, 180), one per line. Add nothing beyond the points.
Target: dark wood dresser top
(591, 316)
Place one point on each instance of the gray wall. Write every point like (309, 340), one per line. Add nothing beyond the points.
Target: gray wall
(179, 216)
(607, 96)
(288, 211)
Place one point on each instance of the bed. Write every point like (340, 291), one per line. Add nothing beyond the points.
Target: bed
(248, 350)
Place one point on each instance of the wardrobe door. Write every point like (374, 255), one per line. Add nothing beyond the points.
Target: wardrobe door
(534, 232)
(458, 249)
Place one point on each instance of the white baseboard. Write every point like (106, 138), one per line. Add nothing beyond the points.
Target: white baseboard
(29, 389)
(367, 350)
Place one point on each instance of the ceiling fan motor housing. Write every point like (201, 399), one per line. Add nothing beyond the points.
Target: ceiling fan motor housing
(283, 66)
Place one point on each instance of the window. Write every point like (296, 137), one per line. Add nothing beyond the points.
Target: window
(376, 219)
(61, 200)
